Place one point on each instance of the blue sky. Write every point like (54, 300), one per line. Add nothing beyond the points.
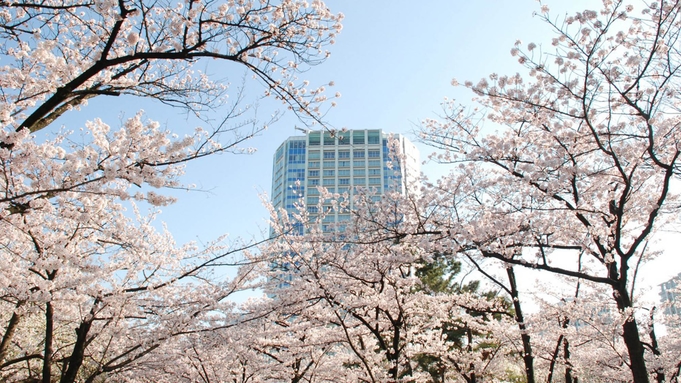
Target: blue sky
(392, 63)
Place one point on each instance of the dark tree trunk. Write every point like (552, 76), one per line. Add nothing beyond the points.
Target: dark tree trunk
(568, 364)
(554, 358)
(49, 336)
(471, 367)
(562, 340)
(78, 354)
(528, 358)
(9, 332)
(636, 350)
(631, 336)
(659, 372)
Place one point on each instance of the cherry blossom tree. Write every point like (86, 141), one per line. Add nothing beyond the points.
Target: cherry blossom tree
(580, 171)
(271, 348)
(90, 287)
(61, 54)
(577, 338)
(87, 291)
(362, 283)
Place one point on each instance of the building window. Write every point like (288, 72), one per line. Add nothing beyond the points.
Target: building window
(296, 152)
(374, 181)
(280, 153)
(358, 137)
(313, 164)
(314, 138)
(313, 173)
(329, 173)
(358, 154)
(374, 172)
(296, 158)
(344, 181)
(313, 155)
(329, 164)
(358, 163)
(296, 174)
(313, 191)
(329, 139)
(360, 172)
(373, 137)
(374, 163)
(344, 173)
(374, 154)
(344, 154)
(312, 182)
(359, 181)
(329, 181)
(343, 164)
(329, 154)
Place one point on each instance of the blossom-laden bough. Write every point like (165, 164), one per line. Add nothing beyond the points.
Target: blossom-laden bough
(90, 288)
(361, 286)
(580, 173)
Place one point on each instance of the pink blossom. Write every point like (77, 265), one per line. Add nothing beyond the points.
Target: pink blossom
(133, 37)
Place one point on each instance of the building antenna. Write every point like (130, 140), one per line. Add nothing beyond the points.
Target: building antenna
(301, 129)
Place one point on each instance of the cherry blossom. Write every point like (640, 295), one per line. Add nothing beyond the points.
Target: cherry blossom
(92, 287)
(579, 176)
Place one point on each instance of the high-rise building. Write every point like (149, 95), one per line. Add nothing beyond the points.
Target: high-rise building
(341, 161)
(669, 294)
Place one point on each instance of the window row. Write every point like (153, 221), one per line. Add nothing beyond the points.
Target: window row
(344, 164)
(343, 154)
(344, 181)
(358, 137)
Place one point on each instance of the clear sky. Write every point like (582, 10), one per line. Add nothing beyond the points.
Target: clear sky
(392, 63)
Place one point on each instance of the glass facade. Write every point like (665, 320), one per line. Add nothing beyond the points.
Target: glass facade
(346, 161)
(669, 296)
(289, 174)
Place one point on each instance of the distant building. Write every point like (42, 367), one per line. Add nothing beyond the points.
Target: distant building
(340, 162)
(669, 294)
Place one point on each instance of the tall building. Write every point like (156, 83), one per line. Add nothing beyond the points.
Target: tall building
(340, 162)
(669, 294)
